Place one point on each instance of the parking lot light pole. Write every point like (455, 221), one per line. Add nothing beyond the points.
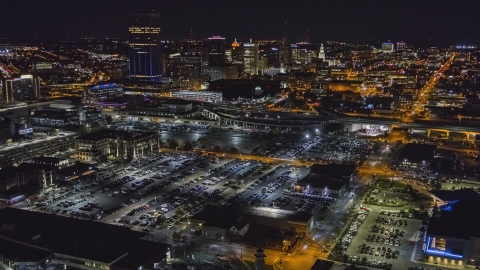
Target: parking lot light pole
(221, 246)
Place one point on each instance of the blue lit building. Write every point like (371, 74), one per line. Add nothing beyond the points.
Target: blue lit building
(453, 236)
(145, 54)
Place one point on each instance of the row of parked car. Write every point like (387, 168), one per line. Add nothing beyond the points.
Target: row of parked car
(352, 231)
(391, 221)
(372, 262)
(255, 199)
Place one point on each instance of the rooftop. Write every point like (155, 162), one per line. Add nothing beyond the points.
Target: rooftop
(48, 159)
(466, 194)
(231, 216)
(334, 170)
(18, 252)
(211, 213)
(76, 169)
(462, 222)
(28, 167)
(319, 181)
(417, 152)
(143, 251)
(277, 213)
(69, 236)
(112, 134)
(322, 265)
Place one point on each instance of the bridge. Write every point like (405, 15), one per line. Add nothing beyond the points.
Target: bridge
(422, 127)
(275, 121)
(302, 122)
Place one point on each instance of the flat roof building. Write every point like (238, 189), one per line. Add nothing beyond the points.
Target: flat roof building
(237, 221)
(206, 96)
(452, 236)
(325, 179)
(417, 155)
(77, 243)
(120, 144)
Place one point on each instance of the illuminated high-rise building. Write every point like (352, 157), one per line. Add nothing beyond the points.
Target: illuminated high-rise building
(237, 53)
(144, 47)
(216, 50)
(250, 58)
(401, 46)
(321, 52)
(387, 47)
(25, 88)
(284, 51)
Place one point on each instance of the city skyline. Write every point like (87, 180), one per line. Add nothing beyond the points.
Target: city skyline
(242, 135)
(363, 21)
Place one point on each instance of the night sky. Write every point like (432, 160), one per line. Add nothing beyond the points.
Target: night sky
(414, 21)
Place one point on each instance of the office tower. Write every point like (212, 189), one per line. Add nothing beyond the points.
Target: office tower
(387, 47)
(237, 53)
(321, 52)
(216, 50)
(250, 58)
(284, 51)
(144, 47)
(401, 46)
(186, 71)
(25, 88)
(228, 56)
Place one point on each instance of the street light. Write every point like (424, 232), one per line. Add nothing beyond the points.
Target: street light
(221, 246)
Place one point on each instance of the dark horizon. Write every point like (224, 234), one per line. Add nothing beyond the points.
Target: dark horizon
(416, 22)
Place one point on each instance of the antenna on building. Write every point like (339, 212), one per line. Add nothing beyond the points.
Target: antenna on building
(307, 35)
(191, 34)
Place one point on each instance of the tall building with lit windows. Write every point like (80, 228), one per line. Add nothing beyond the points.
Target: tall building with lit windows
(250, 58)
(144, 47)
(388, 47)
(401, 46)
(25, 88)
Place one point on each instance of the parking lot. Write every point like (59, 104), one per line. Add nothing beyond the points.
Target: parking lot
(291, 146)
(341, 150)
(381, 237)
(200, 135)
(151, 187)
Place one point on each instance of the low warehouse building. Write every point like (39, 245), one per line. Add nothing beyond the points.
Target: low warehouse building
(218, 222)
(327, 179)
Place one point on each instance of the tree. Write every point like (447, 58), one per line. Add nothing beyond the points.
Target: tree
(176, 236)
(172, 144)
(179, 212)
(437, 185)
(235, 188)
(82, 130)
(255, 150)
(203, 147)
(302, 160)
(187, 146)
(270, 134)
(95, 125)
(109, 119)
(233, 150)
(217, 148)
